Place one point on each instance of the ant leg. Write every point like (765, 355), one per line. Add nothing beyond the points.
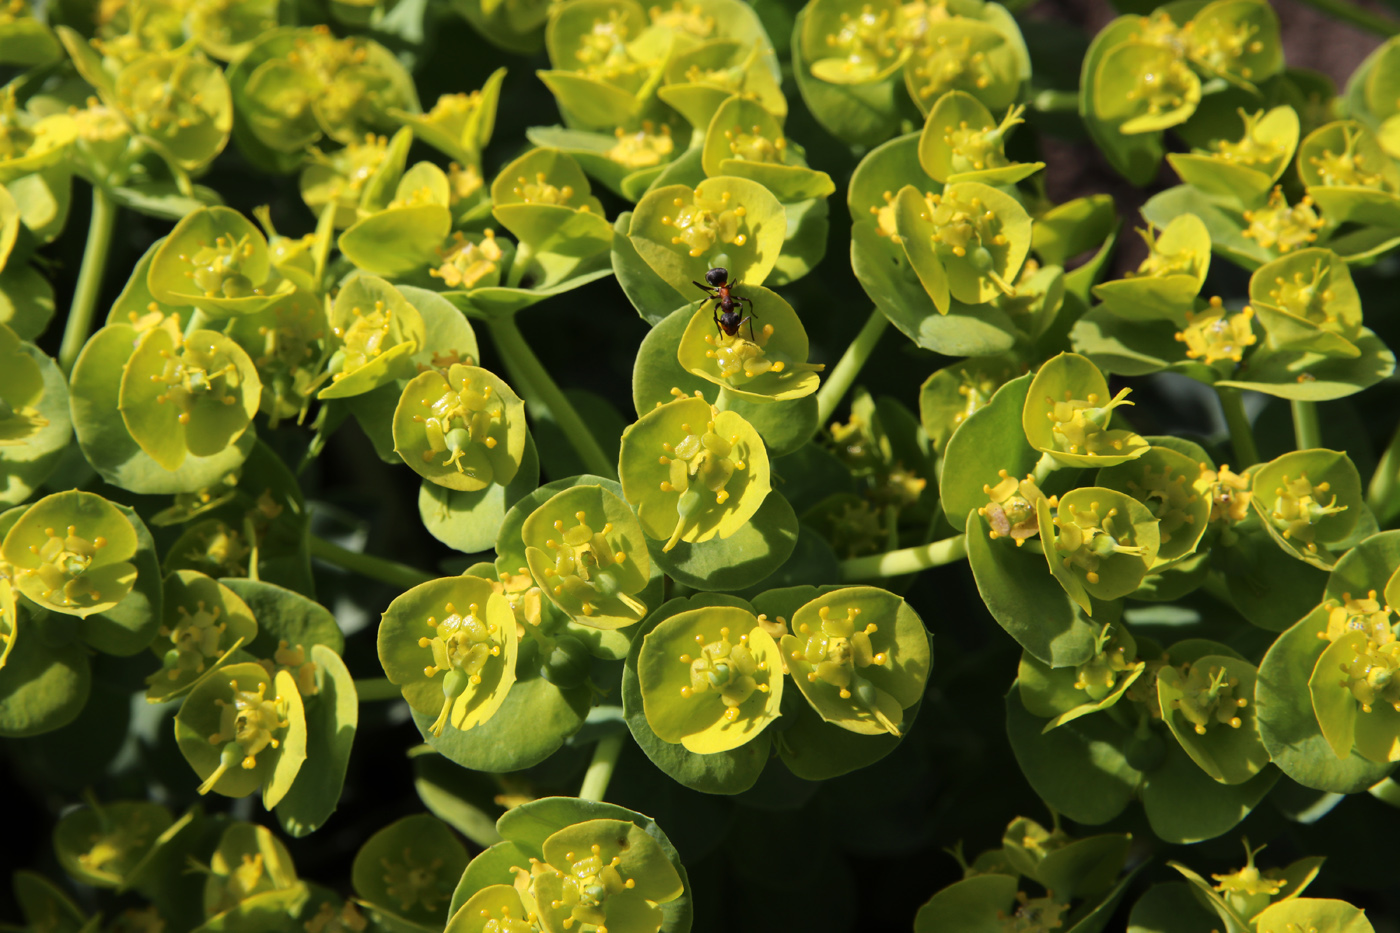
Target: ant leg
(749, 320)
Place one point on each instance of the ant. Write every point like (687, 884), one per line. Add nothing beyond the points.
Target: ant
(728, 306)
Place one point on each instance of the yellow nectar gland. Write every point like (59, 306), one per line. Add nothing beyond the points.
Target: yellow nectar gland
(866, 42)
(967, 229)
(1215, 334)
(836, 653)
(1298, 508)
(1347, 167)
(503, 922)
(586, 882)
(1088, 539)
(725, 668)
(1159, 263)
(602, 51)
(687, 19)
(585, 561)
(367, 337)
(466, 262)
(1281, 228)
(65, 559)
(643, 148)
(1167, 497)
(415, 883)
(1011, 510)
(293, 661)
(1370, 673)
(738, 357)
(246, 728)
(347, 919)
(706, 223)
(701, 459)
(188, 380)
(1307, 296)
(885, 216)
(754, 146)
(1251, 149)
(1208, 696)
(1229, 493)
(462, 646)
(196, 636)
(946, 64)
(464, 424)
(217, 270)
(541, 191)
(1079, 425)
(975, 149)
(1098, 675)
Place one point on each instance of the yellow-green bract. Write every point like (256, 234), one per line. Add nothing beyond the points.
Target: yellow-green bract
(463, 429)
(72, 553)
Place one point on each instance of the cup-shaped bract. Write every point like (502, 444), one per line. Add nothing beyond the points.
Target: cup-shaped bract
(294, 85)
(606, 873)
(341, 178)
(178, 101)
(961, 141)
(379, 331)
(861, 657)
(406, 234)
(1280, 227)
(969, 242)
(102, 844)
(287, 343)
(28, 143)
(202, 622)
(1166, 283)
(1349, 174)
(409, 869)
(1237, 40)
(1314, 913)
(217, 260)
(1099, 543)
(544, 198)
(1166, 481)
(187, 397)
(604, 65)
(243, 730)
(9, 620)
(1064, 694)
(585, 549)
(1208, 704)
(250, 872)
(692, 472)
(1307, 301)
(711, 679)
(698, 80)
(226, 30)
(463, 429)
(1308, 500)
(952, 394)
(1068, 411)
(1216, 336)
(1353, 685)
(1142, 86)
(854, 42)
(72, 552)
(450, 646)
(1241, 171)
(723, 222)
(460, 125)
(959, 53)
(765, 359)
(746, 140)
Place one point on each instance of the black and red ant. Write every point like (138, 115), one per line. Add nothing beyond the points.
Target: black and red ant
(728, 306)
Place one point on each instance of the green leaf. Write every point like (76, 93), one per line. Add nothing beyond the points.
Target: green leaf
(332, 716)
(43, 686)
(469, 521)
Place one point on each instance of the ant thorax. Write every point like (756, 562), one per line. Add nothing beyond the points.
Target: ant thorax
(738, 355)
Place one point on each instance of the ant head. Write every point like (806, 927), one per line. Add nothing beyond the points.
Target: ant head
(717, 276)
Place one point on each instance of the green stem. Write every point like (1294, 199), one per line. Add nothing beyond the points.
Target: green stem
(600, 769)
(1046, 465)
(374, 689)
(99, 241)
(906, 560)
(1241, 437)
(1052, 101)
(530, 375)
(838, 381)
(386, 571)
(1362, 19)
(1306, 430)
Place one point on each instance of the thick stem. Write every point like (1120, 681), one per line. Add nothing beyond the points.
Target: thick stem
(600, 769)
(99, 241)
(530, 375)
(386, 571)
(839, 380)
(1241, 437)
(1046, 465)
(906, 560)
(1306, 430)
(1362, 19)
(373, 689)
